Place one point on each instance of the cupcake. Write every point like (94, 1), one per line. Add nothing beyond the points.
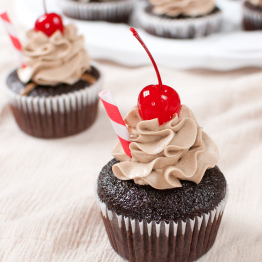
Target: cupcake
(252, 15)
(180, 18)
(165, 202)
(115, 11)
(55, 94)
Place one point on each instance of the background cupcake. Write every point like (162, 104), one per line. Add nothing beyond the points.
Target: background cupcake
(55, 95)
(180, 19)
(252, 12)
(117, 11)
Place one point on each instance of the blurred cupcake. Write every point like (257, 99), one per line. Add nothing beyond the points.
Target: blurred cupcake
(165, 203)
(180, 18)
(116, 11)
(55, 95)
(252, 12)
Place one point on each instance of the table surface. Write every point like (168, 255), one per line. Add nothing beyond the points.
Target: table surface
(48, 211)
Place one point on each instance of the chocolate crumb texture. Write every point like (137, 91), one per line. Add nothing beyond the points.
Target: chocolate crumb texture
(146, 203)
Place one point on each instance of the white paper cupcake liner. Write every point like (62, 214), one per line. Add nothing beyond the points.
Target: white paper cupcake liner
(111, 11)
(140, 241)
(252, 19)
(179, 28)
(58, 116)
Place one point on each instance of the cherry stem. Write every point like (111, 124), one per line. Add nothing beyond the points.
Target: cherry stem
(137, 36)
(45, 7)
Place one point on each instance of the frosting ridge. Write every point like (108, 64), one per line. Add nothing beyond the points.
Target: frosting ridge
(163, 155)
(61, 58)
(191, 8)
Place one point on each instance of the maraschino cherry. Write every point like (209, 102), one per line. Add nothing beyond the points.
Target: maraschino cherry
(49, 23)
(157, 101)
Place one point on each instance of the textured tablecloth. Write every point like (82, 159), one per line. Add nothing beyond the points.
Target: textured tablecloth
(47, 206)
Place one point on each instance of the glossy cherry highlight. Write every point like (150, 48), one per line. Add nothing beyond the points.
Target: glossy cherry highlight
(49, 24)
(154, 102)
(157, 101)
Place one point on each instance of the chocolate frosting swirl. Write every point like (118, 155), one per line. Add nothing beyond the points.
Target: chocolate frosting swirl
(256, 2)
(191, 8)
(61, 58)
(163, 155)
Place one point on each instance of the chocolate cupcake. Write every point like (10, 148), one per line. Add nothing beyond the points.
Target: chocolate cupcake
(163, 197)
(252, 15)
(115, 11)
(180, 19)
(166, 202)
(55, 95)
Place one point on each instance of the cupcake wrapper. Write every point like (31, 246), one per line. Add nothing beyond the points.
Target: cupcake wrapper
(179, 28)
(59, 116)
(114, 11)
(252, 19)
(139, 241)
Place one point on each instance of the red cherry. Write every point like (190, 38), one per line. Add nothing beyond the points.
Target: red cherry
(157, 101)
(49, 23)
(154, 102)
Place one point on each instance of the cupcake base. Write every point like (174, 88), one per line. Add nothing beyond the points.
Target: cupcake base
(56, 116)
(252, 17)
(56, 124)
(149, 225)
(181, 28)
(110, 11)
(139, 241)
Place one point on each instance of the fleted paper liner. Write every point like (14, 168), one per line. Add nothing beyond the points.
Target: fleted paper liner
(164, 242)
(179, 28)
(252, 19)
(111, 11)
(58, 116)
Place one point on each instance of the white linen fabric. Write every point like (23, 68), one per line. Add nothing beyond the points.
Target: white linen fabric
(47, 206)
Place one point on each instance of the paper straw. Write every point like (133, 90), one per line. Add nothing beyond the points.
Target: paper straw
(116, 120)
(12, 34)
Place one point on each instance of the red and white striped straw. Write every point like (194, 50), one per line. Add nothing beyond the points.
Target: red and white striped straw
(116, 119)
(12, 34)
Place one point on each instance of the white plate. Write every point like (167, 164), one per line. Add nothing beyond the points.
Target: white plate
(227, 50)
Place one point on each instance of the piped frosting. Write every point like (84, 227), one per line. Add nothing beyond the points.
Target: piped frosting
(256, 2)
(163, 155)
(61, 58)
(191, 8)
